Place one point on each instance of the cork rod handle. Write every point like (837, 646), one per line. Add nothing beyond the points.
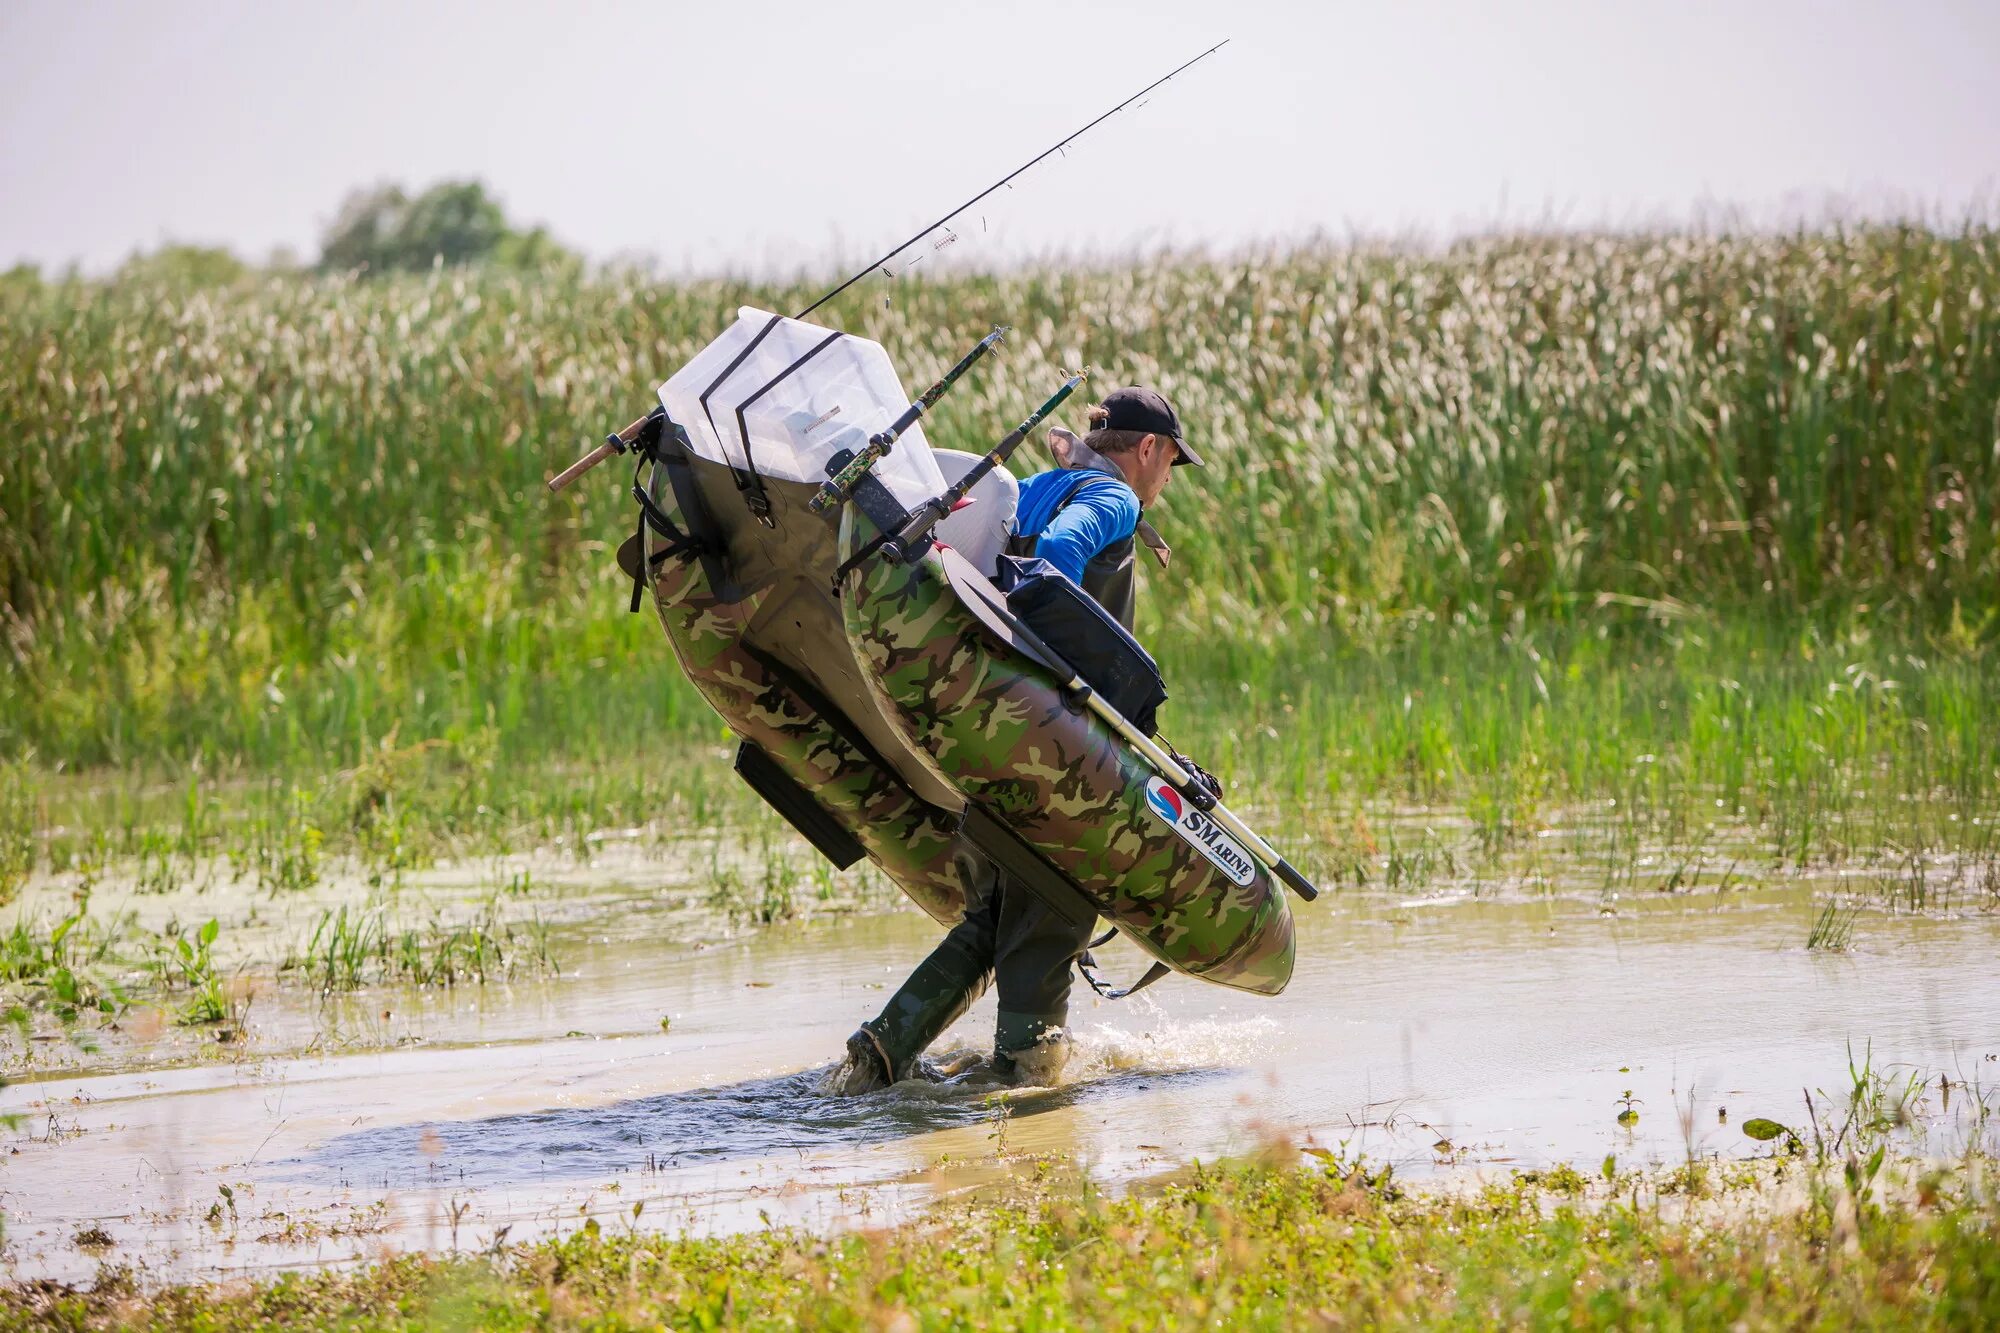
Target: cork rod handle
(615, 444)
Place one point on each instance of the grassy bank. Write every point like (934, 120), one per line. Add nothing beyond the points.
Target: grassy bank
(1256, 1247)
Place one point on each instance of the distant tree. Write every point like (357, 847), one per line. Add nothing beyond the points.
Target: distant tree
(363, 234)
(384, 230)
(184, 266)
(536, 251)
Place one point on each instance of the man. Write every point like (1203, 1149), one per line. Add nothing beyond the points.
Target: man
(1082, 518)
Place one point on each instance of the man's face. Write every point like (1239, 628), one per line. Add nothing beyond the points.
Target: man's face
(1152, 467)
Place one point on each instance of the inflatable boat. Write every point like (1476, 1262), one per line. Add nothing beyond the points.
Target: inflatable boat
(825, 579)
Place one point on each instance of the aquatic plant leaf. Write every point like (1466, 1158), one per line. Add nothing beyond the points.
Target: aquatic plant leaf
(1764, 1130)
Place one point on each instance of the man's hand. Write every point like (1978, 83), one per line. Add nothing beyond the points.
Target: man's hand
(1198, 773)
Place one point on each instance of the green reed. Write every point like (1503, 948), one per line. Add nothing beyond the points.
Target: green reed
(1815, 745)
(1662, 519)
(1546, 419)
(345, 951)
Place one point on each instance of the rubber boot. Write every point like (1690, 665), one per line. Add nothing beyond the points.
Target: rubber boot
(865, 1069)
(1035, 1063)
(941, 989)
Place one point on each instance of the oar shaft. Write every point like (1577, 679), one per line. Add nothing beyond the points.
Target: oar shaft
(1172, 771)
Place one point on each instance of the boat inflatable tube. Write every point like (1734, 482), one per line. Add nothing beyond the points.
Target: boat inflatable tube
(998, 721)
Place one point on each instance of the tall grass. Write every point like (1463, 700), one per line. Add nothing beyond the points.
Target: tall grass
(290, 522)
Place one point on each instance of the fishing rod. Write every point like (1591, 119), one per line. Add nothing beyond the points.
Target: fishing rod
(616, 443)
(879, 444)
(622, 440)
(918, 524)
(1008, 178)
(914, 527)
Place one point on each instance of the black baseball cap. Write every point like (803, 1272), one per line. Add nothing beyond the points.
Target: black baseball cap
(1142, 409)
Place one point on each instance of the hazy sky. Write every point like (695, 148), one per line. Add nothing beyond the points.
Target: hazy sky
(755, 137)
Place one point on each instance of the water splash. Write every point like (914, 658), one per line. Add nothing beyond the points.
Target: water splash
(1171, 1047)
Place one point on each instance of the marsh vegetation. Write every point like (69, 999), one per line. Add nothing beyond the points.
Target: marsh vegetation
(1591, 571)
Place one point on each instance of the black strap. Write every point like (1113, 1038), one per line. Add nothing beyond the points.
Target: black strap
(678, 542)
(1082, 476)
(853, 562)
(639, 574)
(753, 486)
(727, 371)
(654, 559)
(1087, 965)
(650, 512)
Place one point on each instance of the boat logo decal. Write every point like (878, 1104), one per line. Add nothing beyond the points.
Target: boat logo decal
(1207, 836)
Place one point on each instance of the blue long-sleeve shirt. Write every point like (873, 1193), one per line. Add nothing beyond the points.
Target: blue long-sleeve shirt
(1104, 510)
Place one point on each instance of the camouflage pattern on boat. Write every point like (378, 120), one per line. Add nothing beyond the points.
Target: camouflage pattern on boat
(907, 838)
(998, 725)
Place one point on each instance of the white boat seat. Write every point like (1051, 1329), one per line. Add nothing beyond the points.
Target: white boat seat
(979, 531)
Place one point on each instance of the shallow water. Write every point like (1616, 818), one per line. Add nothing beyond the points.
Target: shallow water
(1436, 1033)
